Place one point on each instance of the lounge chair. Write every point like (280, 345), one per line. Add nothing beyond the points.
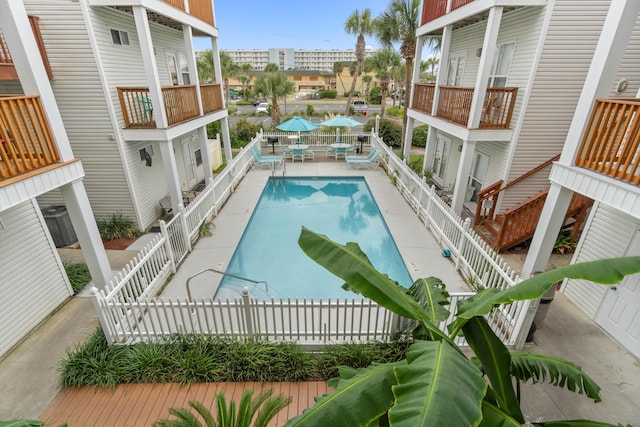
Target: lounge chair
(265, 160)
(371, 159)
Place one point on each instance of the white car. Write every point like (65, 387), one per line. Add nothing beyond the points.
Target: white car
(359, 107)
(263, 107)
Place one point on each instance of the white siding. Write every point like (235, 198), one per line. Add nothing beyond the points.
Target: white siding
(80, 98)
(32, 284)
(498, 158)
(608, 235)
(565, 58)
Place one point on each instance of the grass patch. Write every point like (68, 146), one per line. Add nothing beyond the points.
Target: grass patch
(78, 274)
(203, 358)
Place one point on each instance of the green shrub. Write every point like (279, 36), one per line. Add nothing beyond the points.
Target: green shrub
(395, 111)
(419, 136)
(214, 128)
(232, 110)
(415, 163)
(243, 132)
(78, 274)
(390, 131)
(375, 96)
(118, 226)
(310, 110)
(244, 102)
(328, 93)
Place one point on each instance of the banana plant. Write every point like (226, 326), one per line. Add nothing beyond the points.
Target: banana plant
(436, 384)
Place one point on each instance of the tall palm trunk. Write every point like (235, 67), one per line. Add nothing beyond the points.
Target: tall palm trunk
(359, 60)
(384, 89)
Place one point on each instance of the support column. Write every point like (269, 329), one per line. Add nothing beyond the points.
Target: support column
(430, 148)
(85, 227)
(408, 136)
(484, 68)
(171, 174)
(549, 225)
(26, 58)
(226, 139)
(462, 177)
(150, 66)
(205, 151)
(406, 154)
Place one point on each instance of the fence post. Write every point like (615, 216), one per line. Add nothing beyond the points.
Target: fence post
(466, 226)
(428, 207)
(378, 123)
(96, 299)
(167, 245)
(246, 308)
(185, 227)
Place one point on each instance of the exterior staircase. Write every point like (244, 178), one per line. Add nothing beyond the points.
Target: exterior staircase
(518, 223)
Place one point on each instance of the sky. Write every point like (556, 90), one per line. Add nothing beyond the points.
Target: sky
(264, 24)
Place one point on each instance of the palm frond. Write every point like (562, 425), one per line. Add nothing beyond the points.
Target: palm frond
(554, 371)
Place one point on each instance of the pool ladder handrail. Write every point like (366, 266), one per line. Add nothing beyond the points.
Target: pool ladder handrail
(213, 270)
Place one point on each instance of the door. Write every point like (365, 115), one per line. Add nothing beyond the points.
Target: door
(478, 172)
(441, 156)
(189, 162)
(619, 313)
(455, 69)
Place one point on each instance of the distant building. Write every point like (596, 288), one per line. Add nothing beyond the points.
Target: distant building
(287, 58)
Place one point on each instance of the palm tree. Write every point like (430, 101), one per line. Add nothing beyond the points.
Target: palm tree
(366, 79)
(427, 69)
(337, 69)
(360, 24)
(261, 409)
(382, 64)
(274, 85)
(204, 63)
(399, 23)
(229, 69)
(245, 77)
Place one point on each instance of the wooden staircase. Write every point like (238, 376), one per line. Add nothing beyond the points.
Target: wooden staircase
(518, 223)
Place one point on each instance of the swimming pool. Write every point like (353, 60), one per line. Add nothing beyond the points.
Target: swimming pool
(341, 208)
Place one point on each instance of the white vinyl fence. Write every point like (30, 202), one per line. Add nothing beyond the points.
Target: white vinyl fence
(128, 314)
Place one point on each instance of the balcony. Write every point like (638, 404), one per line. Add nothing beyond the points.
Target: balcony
(454, 104)
(201, 9)
(26, 141)
(433, 9)
(7, 69)
(180, 102)
(611, 143)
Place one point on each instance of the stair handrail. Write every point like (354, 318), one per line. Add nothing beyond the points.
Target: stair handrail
(491, 192)
(515, 211)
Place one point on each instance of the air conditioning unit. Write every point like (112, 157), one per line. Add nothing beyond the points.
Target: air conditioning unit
(59, 225)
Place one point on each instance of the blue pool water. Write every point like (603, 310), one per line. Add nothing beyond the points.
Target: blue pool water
(341, 208)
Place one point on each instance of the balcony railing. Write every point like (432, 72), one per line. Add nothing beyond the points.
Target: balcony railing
(433, 9)
(211, 95)
(201, 9)
(454, 104)
(180, 102)
(7, 69)
(26, 141)
(611, 143)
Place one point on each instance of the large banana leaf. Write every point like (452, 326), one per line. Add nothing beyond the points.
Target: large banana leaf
(555, 371)
(356, 401)
(492, 416)
(352, 265)
(432, 294)
(606, 271)
(438, 387)
(578, 423)
(496, 362)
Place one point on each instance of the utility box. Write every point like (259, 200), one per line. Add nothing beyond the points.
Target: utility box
(59, 225)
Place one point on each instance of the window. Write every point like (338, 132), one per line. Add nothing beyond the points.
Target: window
(441, 156)
(478, 173)
(455, 69)
(501, 65)
(172, 64)
(120, 37)
(198, 155)
(184, 68)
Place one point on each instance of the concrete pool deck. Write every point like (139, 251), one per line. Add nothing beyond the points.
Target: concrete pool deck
(419, 249)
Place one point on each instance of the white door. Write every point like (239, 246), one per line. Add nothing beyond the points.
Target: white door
(619, 313)
(189, 162)
(441, 157)
(456, 68)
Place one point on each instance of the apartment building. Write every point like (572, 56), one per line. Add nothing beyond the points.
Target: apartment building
(124, 77)
(301, 59)
(36, 159)
(601, 160)
(510, 77)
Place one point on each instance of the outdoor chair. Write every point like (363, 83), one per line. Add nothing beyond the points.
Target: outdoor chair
(297, 153)
(147, 107)
(309, 154)
(265, 160)
(371, 159)
(340, 152)
(328, 151)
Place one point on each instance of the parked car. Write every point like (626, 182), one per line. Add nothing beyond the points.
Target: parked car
(258, 101)
(263, 107)
(359, 106)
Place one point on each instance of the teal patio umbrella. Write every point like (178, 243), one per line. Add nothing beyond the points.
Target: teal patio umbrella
(297, 124)
(341, 121)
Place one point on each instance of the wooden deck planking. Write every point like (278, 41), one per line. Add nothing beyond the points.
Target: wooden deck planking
(143, 404)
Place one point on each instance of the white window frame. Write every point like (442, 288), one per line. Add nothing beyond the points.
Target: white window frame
(441, 157)
(122, 37)
(455, 68)
(500, 58)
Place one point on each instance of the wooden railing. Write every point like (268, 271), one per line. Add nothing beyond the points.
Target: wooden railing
(611, 143)
(432, 9)
(488, 197)
(7, 69)
(423, 97)
(180, 102)
(211, 95)
(26, 141)
(459, 3)
(520, 221)
(454, 104)
(201, 9)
